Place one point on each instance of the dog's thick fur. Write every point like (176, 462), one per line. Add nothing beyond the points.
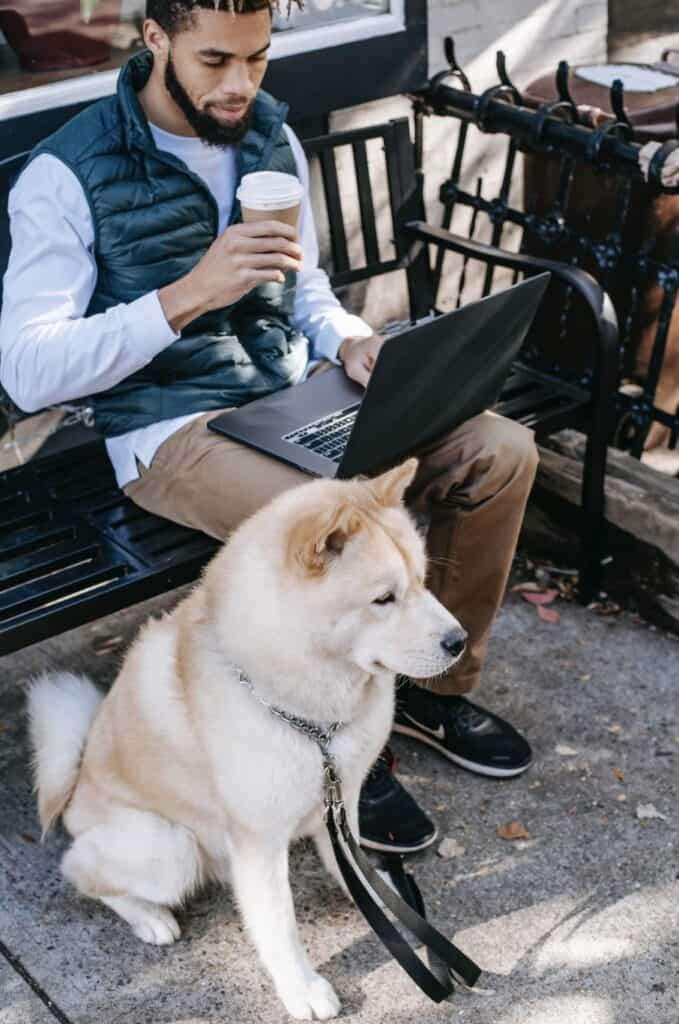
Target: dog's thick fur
(179, 774)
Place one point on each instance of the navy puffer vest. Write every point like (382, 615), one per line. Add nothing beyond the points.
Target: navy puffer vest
(153, 220)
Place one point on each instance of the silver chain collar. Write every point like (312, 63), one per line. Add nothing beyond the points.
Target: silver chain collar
(332, 783)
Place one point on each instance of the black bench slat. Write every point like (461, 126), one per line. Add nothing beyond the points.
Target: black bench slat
(542, 404)
(103, 491)
(25, 569)
(8, 497)
(189, 542)
(129, 514)
(84, 475)
(70, 557)
(365, 202)
(572, 413)
(33, 515)
(531, 398)
(29, 627)
(116, 502)
(34, 540)
(338, 235)
(63, 583)
(153, 529)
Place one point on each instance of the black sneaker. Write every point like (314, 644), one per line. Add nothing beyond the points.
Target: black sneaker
(389, 820)
(470, 736)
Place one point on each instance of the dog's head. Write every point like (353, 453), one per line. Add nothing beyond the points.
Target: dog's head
(354, 568)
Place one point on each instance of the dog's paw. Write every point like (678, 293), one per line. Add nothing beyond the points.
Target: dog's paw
(158, 927)
(316, 1001)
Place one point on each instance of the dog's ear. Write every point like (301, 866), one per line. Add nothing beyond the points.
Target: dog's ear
(320, 535)
(390, 487)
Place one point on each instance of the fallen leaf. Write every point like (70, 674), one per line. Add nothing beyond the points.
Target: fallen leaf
(27, 838)
(3, 727)
(585, 679)
(621, 797)
(605, 607)
(541, 597)
(614, 728)
(513, 830)
(548, 614)
(450, 848)
(565, 751)
(646, 811)
(619, 774)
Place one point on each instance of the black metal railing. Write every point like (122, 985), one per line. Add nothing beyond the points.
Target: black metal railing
(563, 155)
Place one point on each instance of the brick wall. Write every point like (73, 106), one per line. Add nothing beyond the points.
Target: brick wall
(534, 35)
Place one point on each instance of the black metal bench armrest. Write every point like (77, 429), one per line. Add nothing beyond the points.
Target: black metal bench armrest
(595, 299)
(604, 383)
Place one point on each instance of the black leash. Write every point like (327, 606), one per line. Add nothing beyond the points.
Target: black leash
(447, 963)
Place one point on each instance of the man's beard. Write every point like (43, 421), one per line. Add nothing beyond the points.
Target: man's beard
(207, 128)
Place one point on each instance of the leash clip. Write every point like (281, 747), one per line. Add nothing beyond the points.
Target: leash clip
(333, 798)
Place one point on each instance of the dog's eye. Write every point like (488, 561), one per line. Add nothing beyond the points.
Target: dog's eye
(386, 598)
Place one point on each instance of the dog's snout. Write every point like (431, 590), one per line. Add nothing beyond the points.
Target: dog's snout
(454, 642)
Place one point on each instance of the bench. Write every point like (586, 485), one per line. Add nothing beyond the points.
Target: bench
(74, 548)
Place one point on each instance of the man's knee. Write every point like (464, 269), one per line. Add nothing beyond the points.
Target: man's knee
(511, 444)
(504, 453)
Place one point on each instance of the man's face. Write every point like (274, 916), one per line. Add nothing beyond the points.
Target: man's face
(214, 68)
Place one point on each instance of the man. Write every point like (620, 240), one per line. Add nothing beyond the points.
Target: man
(132, 284)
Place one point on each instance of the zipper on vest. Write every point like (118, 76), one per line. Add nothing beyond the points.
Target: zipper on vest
(179, 165)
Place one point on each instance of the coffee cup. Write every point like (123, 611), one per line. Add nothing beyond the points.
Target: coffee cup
(270, 195)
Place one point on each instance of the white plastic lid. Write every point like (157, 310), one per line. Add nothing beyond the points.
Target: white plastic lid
(634, 77)
(269, 190)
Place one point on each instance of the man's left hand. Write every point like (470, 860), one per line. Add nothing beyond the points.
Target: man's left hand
(358, 356)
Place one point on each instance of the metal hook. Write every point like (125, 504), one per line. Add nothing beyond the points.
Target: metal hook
(501, 65)
(422, 105)
(597, 137)
(496, 92)
(554, 108)
(563, 90)
(618, 102)
(455, 69)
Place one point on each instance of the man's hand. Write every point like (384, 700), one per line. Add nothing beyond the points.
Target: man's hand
(358, 356)
(242, 257)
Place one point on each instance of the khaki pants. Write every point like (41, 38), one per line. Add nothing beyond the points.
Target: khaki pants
(473, 483)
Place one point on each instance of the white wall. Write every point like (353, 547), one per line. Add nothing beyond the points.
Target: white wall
(535, 35)
(532, 32)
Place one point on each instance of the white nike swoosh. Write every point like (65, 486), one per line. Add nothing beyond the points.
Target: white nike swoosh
(439, 733)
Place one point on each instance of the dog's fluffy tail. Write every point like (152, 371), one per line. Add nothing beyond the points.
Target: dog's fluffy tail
(61, 709)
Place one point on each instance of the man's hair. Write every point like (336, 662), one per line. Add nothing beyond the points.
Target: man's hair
(176, 15)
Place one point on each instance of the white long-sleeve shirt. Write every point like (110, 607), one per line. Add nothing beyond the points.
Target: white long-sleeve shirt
(50, 352)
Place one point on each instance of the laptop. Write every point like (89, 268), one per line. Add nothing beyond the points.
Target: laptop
(426, 380)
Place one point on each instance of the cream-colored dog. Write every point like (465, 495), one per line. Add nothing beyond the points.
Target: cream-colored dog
(181, 774)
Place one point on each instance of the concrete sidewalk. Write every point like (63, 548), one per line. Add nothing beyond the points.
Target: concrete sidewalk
(576, 924)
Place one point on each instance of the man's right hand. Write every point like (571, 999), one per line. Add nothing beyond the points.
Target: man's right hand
(242, 257)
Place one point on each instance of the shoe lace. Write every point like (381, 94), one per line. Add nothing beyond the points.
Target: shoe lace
(468, 718)
(385, 763)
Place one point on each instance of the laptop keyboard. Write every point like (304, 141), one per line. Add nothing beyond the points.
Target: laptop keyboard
(328, 435)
